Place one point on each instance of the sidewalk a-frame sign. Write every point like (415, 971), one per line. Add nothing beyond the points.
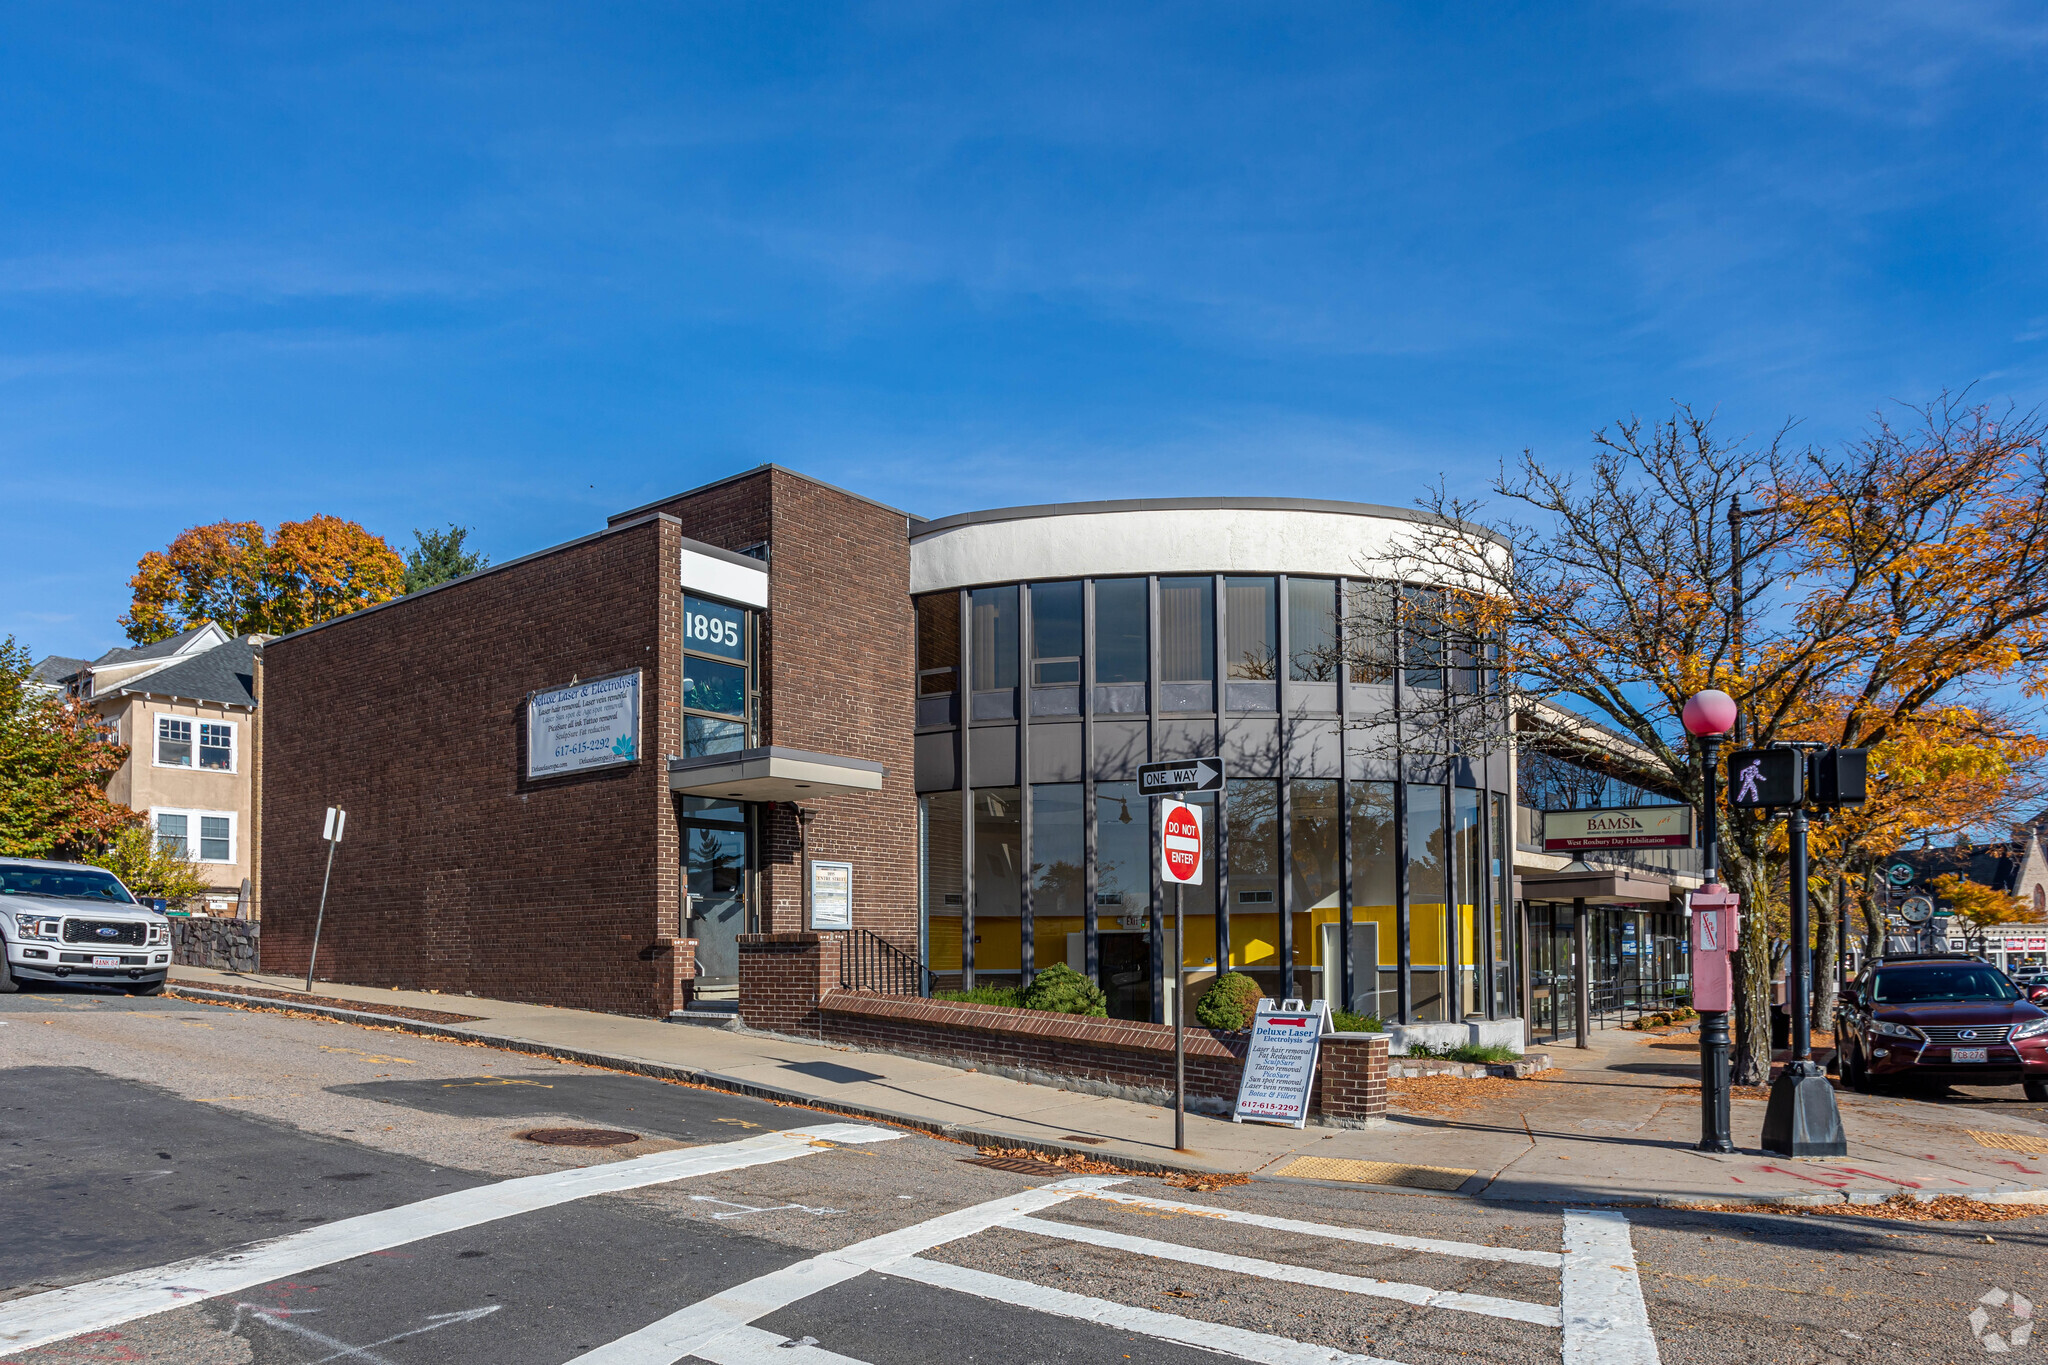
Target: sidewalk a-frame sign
(1280, 1064)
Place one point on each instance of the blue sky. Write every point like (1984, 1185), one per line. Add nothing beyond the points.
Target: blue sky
(520, 266)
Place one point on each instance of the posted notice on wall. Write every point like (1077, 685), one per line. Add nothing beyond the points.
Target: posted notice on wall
(831, 895)
(594, 724)
(1280, 1066)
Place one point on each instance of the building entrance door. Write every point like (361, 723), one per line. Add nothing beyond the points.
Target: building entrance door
(715, 881)
(1127, 973)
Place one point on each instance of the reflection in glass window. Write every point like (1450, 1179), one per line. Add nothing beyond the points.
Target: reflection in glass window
(704, 735)
(944, 887)
(998, 865)
(216, 746)
(1187, 630)
(1123, 868)
(1312, 843)
(714, 808)
(1422, 636)
(1427, 859)
(1253, 806)
(1465, 857)
(1055, 633)
(1057, 860)
(1120, 649)
(1504, 976)
(995, 638)
(714, 628)
(1369, 630)
(1312, 629)
(938, 644)
(173, 742)
(710, 686)
(1253, 646)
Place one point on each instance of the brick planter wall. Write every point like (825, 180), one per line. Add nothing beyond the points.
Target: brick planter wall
(228, 945)
(789, 983)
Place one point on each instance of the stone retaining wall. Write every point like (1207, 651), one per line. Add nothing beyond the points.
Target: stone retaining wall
(789, 983)
(228, 945)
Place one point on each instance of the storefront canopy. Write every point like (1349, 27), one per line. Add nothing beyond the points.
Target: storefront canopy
(772, 774)
(1595, 886)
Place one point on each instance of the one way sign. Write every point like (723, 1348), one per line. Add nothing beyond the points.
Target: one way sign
(1191, 775)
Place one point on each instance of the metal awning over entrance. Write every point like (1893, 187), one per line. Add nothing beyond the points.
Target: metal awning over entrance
(1595, 887)
(772, 773)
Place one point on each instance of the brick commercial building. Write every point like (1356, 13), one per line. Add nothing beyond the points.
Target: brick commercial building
(609, 774)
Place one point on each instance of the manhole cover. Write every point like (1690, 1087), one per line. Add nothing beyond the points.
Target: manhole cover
(1021, 1165)
(580, 1137)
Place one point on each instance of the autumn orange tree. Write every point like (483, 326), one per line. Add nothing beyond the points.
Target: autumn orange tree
(54, 766)
(247, 581)
(1894, 575)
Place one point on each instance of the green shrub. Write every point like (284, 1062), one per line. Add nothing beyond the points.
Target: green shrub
(1230, 1003)
(1007, 996)
(1466, 1052)
(1344, 1021)
(1059, 989)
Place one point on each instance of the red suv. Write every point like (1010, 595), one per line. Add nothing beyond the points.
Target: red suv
(1944, 1021)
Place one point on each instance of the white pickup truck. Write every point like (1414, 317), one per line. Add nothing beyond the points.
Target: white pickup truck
(70, 922)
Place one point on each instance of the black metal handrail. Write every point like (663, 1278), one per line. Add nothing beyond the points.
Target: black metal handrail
(869, 962)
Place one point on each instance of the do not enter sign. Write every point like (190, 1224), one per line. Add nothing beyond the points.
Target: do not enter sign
(1180, 844)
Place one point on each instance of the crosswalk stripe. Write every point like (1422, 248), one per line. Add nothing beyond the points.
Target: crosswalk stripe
(753, 1346)
(1366, 1236)
(693, 1330)
(1605, 1319)
(1519, 1310)
(100, 1304)
(1207, 1336)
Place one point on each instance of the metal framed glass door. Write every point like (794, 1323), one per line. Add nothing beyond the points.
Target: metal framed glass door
(717, 877)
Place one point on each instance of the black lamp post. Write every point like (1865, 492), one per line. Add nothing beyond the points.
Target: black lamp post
(1708, 716)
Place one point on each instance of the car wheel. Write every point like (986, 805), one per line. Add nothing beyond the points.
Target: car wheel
(2037, 1091)
(8, 985)
(148, 987)
(1856, 1073)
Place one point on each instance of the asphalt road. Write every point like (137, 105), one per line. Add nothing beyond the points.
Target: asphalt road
(412, 1222)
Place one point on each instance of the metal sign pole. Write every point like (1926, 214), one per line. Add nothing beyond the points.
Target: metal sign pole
(337, 819)
(1180, 1022)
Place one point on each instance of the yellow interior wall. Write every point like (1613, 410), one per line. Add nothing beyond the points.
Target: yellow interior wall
(1253, 938)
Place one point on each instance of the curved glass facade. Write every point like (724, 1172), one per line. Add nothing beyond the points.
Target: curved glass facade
(1036, 703)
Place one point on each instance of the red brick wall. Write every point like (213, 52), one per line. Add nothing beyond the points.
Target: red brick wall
(788, 984)
(837, 667)
(457, 874)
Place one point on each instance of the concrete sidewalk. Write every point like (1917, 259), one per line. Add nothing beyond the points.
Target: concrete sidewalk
(1612, 1124)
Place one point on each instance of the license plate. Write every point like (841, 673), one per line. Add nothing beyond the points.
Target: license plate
(106, 962)
(1968, 1054)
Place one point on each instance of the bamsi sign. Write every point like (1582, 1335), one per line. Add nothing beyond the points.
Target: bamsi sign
(1568, 831)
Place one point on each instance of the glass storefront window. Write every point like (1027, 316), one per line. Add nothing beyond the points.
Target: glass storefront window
(1122, 655)
(943, 886)
(1375, 876)
(703, 735)
(995, 638)
(1427, 857)
(717, 677)
(1312, 629)
(1314, 874)
(1254, 628)
(998, 880)
(1369, 630)
(1504, 936)
(938, 644)
(714, 628)
(1465, 857)
(1123, 870)
(1055, 633)
(1187, 644)
(1057, 864)
(1253, 809)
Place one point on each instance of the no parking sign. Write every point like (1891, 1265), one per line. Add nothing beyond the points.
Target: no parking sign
(1180, 844)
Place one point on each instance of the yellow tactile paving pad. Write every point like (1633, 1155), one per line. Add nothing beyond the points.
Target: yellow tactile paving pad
(2012, 1142)
(1377, 1173)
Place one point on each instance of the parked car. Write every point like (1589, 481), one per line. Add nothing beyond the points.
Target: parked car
(70, 922)
(2028, 974)
(1942, 1021)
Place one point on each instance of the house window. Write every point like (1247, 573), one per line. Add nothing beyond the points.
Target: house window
(217, 746)
(170, 832)
(173, 742)
(203, 836)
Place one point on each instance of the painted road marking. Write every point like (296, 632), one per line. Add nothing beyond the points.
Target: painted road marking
(1605, 1322)
(44, 1318)
(1207, 1336)
(1601, 1313)
(282, 1320)
(1520, 1310)
(689, 1331)
(1368, 1236)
